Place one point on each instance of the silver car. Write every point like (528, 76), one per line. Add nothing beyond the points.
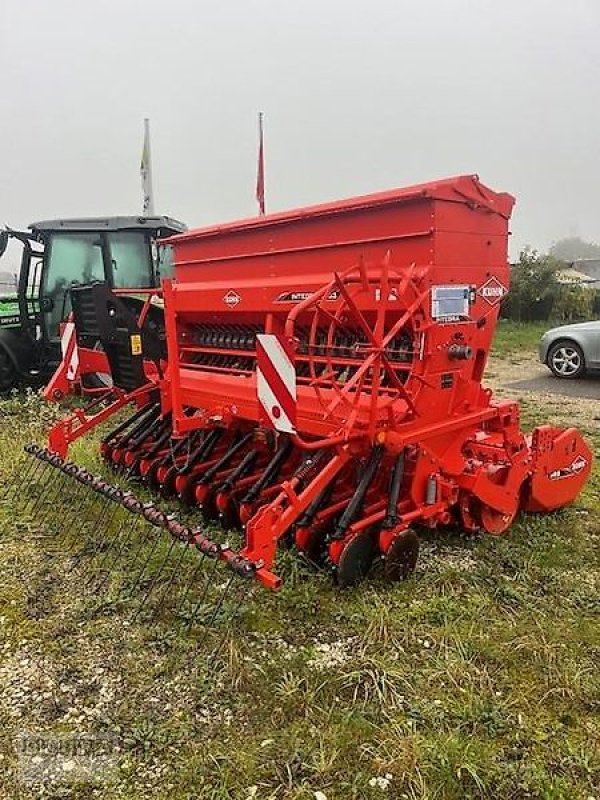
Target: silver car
(571, 349)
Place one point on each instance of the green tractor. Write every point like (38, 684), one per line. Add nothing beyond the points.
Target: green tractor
(56, 255)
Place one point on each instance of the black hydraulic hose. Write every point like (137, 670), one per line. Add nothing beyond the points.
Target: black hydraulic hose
(181, 444)
(138, 417)
(162, 439)
(311, 512)
(202, 451)
(226, 458)
(271, 471)
(391, 517)
(239, 472)
(356, 503)
(133, 442)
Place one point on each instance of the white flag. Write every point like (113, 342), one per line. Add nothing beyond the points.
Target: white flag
(146, 173)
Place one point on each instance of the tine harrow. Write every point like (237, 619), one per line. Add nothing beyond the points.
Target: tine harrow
(180, 535)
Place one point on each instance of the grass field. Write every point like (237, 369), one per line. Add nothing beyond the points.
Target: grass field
(478, 678)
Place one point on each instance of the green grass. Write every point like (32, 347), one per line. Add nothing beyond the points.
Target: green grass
(516, 337)
(478, 678)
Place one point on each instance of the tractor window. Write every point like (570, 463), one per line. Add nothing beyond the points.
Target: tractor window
(74, 258)
(165, 261)
(131, 263)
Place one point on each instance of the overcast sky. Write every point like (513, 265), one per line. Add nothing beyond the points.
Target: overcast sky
(357, 96)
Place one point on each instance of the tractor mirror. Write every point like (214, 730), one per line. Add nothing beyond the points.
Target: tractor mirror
(3, 242)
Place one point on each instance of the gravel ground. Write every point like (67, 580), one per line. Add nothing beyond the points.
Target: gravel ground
(506, 377)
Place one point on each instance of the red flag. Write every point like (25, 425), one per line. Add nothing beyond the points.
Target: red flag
(260, 171)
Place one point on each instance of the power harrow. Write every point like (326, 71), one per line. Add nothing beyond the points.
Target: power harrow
(313, 380)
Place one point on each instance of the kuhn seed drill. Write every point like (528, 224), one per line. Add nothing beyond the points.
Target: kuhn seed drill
(316, 381)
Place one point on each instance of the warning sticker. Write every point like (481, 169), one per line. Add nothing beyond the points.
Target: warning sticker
(136, 344)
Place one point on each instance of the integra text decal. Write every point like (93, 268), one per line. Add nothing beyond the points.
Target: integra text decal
(297, 297)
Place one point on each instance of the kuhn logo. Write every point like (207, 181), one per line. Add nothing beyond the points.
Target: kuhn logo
(578, 465)
(493, 291)
(231, 299)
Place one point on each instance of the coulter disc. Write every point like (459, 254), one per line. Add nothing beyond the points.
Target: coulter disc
(401, 558)
(356, 559)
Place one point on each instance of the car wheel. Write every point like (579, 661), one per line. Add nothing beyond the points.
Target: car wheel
(8, 373)
(566, 360)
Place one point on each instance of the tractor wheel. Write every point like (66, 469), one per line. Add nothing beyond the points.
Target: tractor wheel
(356, 559)
(8, 373)
(402, 555)
(96, 381)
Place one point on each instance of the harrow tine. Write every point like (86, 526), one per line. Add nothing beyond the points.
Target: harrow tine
(39, 502)
(35, 488)
(209, 579)
(119, 552)
(243, 591)
(145, 563)
(110, 542)
(169, 583)
(189, 584)
(221, 601)
(20, 480)
(78, 510)
(91, 511)
(155, 579)
(50, 505)
(103, 539)
(88, 546)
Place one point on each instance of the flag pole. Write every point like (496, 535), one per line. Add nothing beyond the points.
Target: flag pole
(260, 170)
(146, 174)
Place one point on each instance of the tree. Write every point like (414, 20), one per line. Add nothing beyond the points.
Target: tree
(534, 287)
(573, 248)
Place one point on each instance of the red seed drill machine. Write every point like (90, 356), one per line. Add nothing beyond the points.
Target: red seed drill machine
(316, 381)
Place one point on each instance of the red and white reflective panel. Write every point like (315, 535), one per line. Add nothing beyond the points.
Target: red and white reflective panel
(70, 353)
(275, 383)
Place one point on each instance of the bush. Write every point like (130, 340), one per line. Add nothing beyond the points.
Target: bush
(536, 293)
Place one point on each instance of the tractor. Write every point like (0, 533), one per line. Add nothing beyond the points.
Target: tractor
(120, 252)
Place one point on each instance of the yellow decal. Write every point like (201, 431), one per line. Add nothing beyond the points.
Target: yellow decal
(136, 344)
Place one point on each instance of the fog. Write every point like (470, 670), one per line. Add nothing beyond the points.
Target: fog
(357, 97)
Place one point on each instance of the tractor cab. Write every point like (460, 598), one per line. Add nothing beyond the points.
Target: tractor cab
(58, 254)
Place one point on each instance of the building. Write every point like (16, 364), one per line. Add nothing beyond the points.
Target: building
(8, 283)
(589, 270)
